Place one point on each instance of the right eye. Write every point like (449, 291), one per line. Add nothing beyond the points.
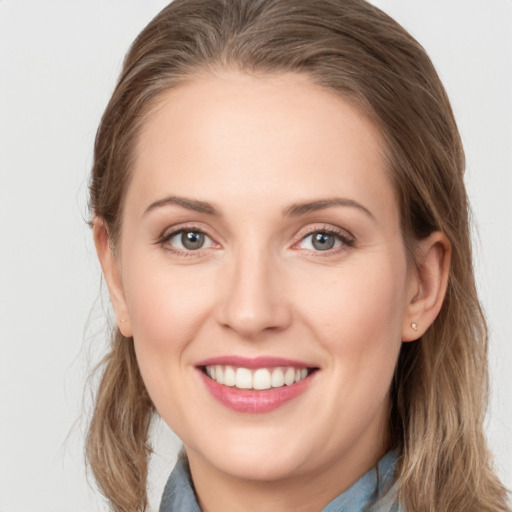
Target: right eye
(187, 240)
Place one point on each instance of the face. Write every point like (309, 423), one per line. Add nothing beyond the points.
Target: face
(262, 274)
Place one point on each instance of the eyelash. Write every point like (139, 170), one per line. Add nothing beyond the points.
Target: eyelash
(346, 240)
(166, 237)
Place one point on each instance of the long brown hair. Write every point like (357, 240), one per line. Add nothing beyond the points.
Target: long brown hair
(439, 393)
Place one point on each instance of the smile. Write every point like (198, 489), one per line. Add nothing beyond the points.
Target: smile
(257, 385)
(259, 379)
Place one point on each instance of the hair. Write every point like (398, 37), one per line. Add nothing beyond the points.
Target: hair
(440, 388)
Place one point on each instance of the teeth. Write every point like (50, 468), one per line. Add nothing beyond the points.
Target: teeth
(229, 376)
(277, 379)
(262, 378)
(219, 374)
(243, 378)
(289, 376)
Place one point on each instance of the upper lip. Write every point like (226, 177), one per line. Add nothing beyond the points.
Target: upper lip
(254, 362)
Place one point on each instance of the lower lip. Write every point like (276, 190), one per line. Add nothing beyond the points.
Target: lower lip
(251, 401)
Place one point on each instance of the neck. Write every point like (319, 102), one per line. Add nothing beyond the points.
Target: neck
(309, 491)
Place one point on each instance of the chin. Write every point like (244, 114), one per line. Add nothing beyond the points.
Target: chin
(263, 459)
(261, 467)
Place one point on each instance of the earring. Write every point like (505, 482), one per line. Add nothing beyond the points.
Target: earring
(414, 326)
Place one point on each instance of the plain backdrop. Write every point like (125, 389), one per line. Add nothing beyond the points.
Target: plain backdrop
(58, 63)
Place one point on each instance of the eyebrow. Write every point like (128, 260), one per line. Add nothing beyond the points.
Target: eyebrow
(294, 210)
(298, 209)
(189, 204)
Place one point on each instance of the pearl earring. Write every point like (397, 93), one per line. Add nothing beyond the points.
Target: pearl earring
(414, 326)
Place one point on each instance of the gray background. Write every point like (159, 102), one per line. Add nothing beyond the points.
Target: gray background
(58, 64)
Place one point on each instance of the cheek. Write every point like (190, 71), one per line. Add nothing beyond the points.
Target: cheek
(358, 315)
(166, 307)
(358, 323)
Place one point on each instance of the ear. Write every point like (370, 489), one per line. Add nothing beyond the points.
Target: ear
(427, 285)
(112, 273)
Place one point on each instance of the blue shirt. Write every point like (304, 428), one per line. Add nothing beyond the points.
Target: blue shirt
(373, 492)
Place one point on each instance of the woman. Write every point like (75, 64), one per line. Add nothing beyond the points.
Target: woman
(281, 219)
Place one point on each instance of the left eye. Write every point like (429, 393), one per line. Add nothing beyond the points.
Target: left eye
(189, 240)
(321, 241)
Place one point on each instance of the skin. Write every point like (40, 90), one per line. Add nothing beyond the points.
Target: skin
(252, 147)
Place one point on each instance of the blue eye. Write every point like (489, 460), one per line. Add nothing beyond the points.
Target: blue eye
(188, 240)
(324, 241)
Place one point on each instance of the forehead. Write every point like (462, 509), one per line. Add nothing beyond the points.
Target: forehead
(278, 137)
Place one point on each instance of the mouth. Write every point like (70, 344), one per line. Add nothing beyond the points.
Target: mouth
(256, 379)
(255, 385)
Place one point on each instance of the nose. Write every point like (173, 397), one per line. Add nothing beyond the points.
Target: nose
(254, 299)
